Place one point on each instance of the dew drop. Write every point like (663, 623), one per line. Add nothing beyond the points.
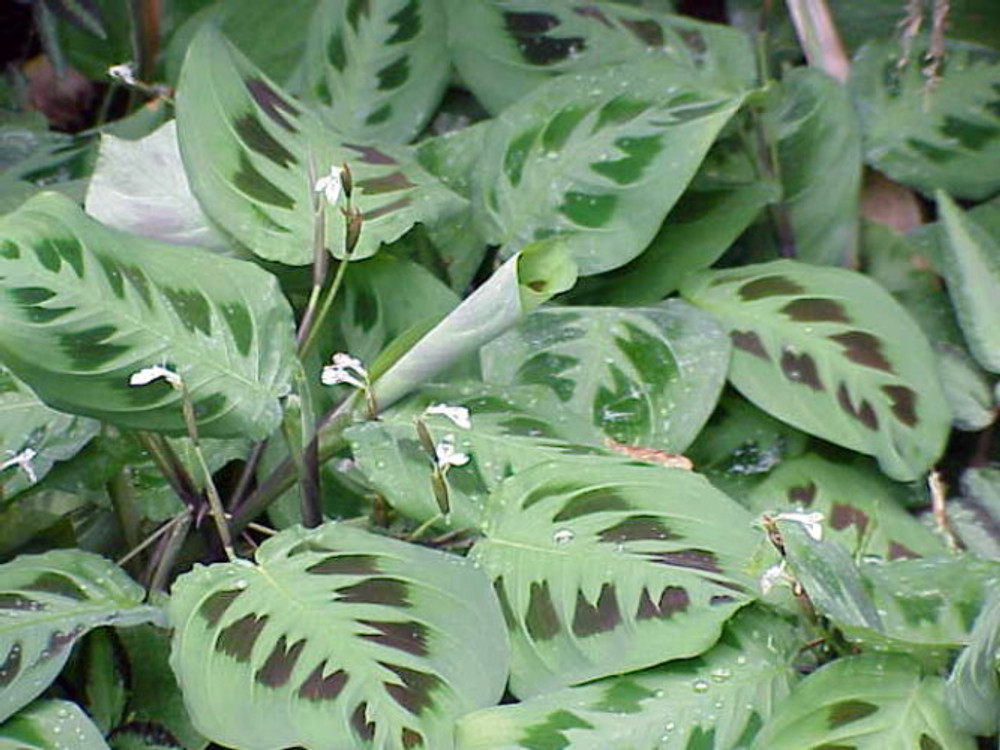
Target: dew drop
(699, 686)
(562, 536)
(721, 674)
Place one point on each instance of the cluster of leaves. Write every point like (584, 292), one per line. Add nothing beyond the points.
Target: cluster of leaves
(631, 447)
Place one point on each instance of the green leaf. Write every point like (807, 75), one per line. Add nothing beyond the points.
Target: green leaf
(927, 605)
(154, 698)
(819, 157)
(100, 672)
(933, 136)
(49, 724)
(26, 424)
(861, 508)
(336, 638)
(604, 567)
(972, 269)
(830, 578)
(255, 176)
(504, 50)
(967, 388)
(381, 298)
(869, 702)
(741, 444)
(46, 603)
(84, 307)
(537, 273)
(140, 187)
(975, 513)
(380, 68)
(513, 428)
(644, 376)
(973, 690)
(702, 225)
(830, 352)
(598, 158)
(721, 698)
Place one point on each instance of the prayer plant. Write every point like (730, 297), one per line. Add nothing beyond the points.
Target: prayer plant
(494, 374)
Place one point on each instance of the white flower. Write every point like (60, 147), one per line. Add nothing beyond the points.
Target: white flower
(23, 461)
(811, 521)
(347, 370)
(773, 576)
(124, 73)
(446, 455)
(147, 375)
(459, 415)
(332, 185)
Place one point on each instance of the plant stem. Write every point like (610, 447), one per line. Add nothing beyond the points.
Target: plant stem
(172, 469)
(123, 500)
(214, 501)
(168, 552)
(327, 441)
(324, 310)
(164, 528)
(321, 263)
(247, 475)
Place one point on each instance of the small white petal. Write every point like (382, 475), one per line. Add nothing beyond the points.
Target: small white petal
(459, 415)
(346, 361)
(124, 73)
(332, 185)
(773, 576)
(147, 375)
(345, 370)
(811, 521)
(23, 461)
(333, 375)
(446, 454)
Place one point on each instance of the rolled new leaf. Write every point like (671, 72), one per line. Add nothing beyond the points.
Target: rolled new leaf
(83, 307)
(536, 274)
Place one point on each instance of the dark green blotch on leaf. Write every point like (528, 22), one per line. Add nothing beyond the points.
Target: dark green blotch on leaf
(849, 711)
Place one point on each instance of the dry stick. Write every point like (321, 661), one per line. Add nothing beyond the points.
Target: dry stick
(818, 37)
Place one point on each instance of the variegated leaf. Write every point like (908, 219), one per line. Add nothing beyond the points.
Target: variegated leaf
(46, 603)
(933, 135)
(717, 700)
(337, 638)
(972, 268)
(818, 145)
(861, 508)
(973, 689)
(84, 307)
(380, 68)
(867, 702)
(830, 352)
(503, 49)
(34, 434)
(253, 156)
(598, 157)
(645, 376)
(51, 725)
(609, 566)
(513, 428)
